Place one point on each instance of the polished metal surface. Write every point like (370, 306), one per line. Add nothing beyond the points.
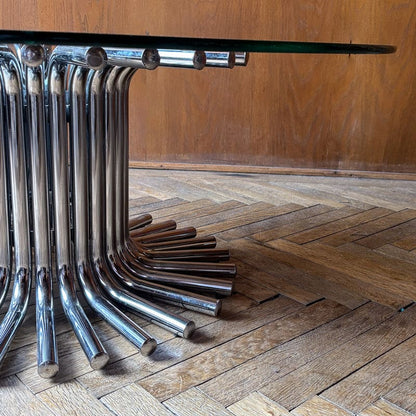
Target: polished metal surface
(220, 59)
(71, 209)
(90, 343)
(32, 57)
(79, 162)
(14, 127)
(182, 59)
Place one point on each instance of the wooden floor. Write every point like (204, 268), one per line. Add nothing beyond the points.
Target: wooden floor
(322, 322)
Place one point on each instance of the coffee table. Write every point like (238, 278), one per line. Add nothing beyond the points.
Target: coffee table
(64, 188)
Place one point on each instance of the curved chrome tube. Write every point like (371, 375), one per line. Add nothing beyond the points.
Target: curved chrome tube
(79, 161)
(128, 253)
(90, 343)
(32, 57)
(140, 221)
(113, 227)
(13, 105)
(111, 285)
(5, 260)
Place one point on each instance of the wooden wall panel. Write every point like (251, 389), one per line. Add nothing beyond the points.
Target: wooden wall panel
(333, 112)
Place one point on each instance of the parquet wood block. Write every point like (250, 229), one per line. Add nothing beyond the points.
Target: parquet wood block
(257, 404)
(328, 369)
(319, 406)
(272, 365)
(404, 395)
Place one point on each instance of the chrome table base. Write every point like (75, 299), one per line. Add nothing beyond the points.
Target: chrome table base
(64, 203)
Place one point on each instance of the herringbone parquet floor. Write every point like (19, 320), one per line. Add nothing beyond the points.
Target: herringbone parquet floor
(322, 321)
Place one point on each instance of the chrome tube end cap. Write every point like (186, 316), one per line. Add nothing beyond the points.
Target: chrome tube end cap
(99, 360)
(48, 369)
(33, 55)
(148, 347)
(218, 307)
(189, 329)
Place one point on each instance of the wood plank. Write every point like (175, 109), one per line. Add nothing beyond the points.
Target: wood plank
(143, 200)
(71, 398)
(278, 264)
(283, 287)
(16, 399)
(397, 253)
(240, 381)
(319, 406)
(239, 350)
(388, 236)
(227, 214)
(293, 389)
(336, 226)
(257, 404)
(304, 224)
(404, 395)
(154, 206)
(133, 400)
(363, 277)
(375, 379)
(406, 243)
(370, 228)
(195, 403)
(248, 218)
(383, 408)
(253, 290)
(328, 195)
(183, 209)
(274, 222)
(205, 212)
(136, 367)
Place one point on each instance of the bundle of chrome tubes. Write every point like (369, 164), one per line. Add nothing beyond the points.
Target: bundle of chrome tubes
(64, 203)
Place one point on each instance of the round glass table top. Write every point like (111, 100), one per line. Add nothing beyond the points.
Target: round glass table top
(163, 42)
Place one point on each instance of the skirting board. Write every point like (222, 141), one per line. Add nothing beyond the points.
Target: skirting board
(273, 170)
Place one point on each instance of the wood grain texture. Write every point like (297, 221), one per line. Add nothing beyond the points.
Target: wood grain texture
(384, 408)
(241, 349)
(319, 406)
(328, 369)
(133, 400)
(271, 366)
(195, 403)
(257, 404)
(404, 395)
(60, 400)
(374, 380)
(333, 112)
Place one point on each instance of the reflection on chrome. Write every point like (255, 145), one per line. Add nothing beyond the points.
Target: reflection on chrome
(64, 197)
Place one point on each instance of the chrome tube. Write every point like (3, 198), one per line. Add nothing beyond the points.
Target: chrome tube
(96, 298)
(220, 59)
(5, 258)
(157, 228)
(117, 266)
(87, 57)
(139, 221)
(13, 105)
(133, 261)
(79, 161)
(133, 58)
(90, 343)
(188, 243)
(182, 59)
(32, 57)
(241, 58)
(111, 285)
